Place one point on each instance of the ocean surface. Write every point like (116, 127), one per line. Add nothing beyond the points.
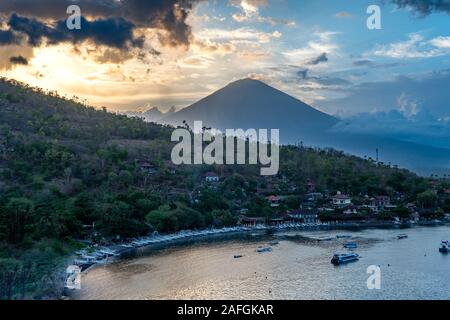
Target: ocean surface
(297, 268)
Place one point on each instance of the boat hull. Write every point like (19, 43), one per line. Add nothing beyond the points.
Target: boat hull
(343, 259)
(339, 262)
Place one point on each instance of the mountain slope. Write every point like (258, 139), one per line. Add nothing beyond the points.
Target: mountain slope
(153, 114)
(253, 104)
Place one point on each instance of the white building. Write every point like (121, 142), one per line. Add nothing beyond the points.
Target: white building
(341, 200)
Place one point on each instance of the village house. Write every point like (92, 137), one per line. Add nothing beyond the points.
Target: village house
(446, 192)
(380, 201)
(243, 211)
(250, 221)
(314, 196)
(274, 201)
(326, 209)
(279, 219)
(211, 177)
(310, 186)
(148, 168)
(379, 204)
(341, 200)
(350, 210)
(307, 205)
(415, 216)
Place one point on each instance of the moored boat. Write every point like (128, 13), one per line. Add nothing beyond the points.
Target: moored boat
(264, 249)
(444, 248)
(402, 236)
(350, 245)
(324, 239)
(341, 258)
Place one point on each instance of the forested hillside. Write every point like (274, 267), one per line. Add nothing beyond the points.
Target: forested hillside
(69, 172)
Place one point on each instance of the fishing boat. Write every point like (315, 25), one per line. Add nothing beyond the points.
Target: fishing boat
(264, 249)
(324, 239)
(109, 253)
(402, 236)
(126, 245)
(350, 245)
(341, 258)
(444, 248)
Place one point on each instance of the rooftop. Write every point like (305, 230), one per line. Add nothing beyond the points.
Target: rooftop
(341, 196)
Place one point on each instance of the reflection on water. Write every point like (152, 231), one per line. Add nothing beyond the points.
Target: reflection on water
(297, 268)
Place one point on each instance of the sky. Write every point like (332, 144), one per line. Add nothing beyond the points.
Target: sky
(134, 55)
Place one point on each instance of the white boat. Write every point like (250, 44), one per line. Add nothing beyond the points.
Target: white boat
(445, 246)
(343, 236)
(88, 258)
(109, 252)
(341, 258)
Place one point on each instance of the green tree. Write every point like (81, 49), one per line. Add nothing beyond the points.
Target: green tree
(427, 199)
(162, 219)
(18, 214)
(401, 212)
(223, 218)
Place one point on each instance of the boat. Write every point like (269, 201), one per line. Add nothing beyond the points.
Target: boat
(264, 249)
(89, 258)
(238, 256)
(274, 243)
(350, 245)
(402, 236)
(109, 253)
(341, 258)
(324, 239)
(444, 248)
(343, 236)
(126, 245)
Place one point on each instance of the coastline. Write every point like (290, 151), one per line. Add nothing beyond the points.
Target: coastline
(111, 253)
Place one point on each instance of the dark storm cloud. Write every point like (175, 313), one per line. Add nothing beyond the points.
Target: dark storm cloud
(8, 37)
(424, 7)
(113, 32)
(322, 58)
(35, 30)
(168, 15)
(18, 60)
